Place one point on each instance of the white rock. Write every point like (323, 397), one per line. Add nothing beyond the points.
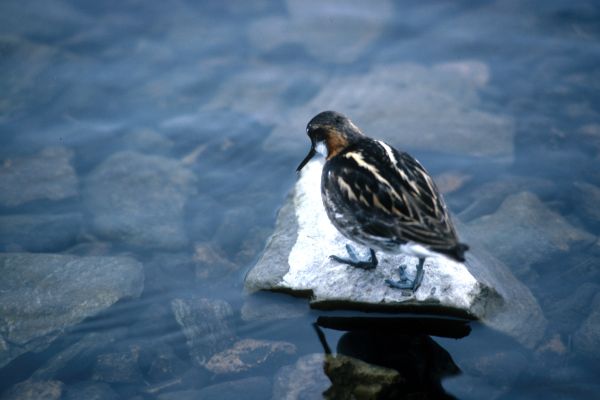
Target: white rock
(296, 260)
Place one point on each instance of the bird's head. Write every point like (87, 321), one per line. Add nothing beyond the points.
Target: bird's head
(330, 132)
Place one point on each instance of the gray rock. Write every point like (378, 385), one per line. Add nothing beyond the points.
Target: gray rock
(271, 308)
(47, 175)
(296, 260)
(303, 380)
(206, 325)
(586, 341)
(248, 354)
(587, 197)
(352, 378)
(568, 313)
(90, 391)
(41, 295)
(79, 353)
(139, 200)
(486, 199)
(211, 262)
(247, 388)
(118, 367)
(39, 233)
(523, 232)
(356, 26)
(35, 390)
(402, 98)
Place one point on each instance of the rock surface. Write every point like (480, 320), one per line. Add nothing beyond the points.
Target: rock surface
(402, 99)
(206, 325)
(247, 354)
(296, 260)
(303, 380)
(90, 391)
(247, 388)
(35, 390)
(348, 26)
(139, 200)
(44, 176)
(38, 233)
(524, 231)
(586, 340)
(352, 378)
(41, 295)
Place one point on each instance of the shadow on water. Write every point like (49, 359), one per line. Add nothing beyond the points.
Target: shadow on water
(389, 357)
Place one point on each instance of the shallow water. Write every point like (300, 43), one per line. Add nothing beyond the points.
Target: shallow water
(211, 100)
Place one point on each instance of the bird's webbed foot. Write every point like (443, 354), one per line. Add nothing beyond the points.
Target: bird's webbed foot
(406, 283)
(354, 261)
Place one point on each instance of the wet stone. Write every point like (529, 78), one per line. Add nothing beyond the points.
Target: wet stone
(47, 175)
(587, 198)
(310, 24)
(586, 341)
(206, 325)
(524, 231)
(402, 97)
(139, 200)
(272, 307)
(303, 380)
(38, 233)
(210, 261)
(82, 352)
(160, 363)
(568, 313)
(41, 295)
(487, 198)
(249, 354)
(296, 260)
(90, 391)
(35, 390)
(121, 367)
(247, 388)
(353, 378)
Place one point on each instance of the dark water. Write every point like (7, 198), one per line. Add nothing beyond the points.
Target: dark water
(495, 98)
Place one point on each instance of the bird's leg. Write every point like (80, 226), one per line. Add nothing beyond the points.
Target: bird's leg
(404, 282)
(354, 261)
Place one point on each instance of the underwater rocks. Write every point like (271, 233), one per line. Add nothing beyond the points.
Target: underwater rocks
(39, 232)
(206, 324)
(402, 99)
(311, 25)
(47, 175)
(296, 260)
(247, 354)
(524, 231)
(303, 380)
(42, 295)
(586, 340)
(139, 200)
(35, 390)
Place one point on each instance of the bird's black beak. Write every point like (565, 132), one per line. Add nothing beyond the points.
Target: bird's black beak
(310, 155)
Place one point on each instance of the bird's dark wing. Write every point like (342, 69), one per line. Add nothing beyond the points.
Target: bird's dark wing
(391, 194)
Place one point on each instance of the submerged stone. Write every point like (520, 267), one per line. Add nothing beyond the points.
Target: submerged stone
(248, 354)
(35, 390)
(303, 380)
(35, 232)
(41, 295)
(139, 200)
(47, 175)
(206, 324)
(296, 260)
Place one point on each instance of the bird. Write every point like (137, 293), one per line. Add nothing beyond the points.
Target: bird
(380, 198)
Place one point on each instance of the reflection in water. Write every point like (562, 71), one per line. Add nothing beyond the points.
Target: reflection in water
(388, 358)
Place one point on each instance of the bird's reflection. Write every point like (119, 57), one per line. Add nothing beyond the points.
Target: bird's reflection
(389, 358)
